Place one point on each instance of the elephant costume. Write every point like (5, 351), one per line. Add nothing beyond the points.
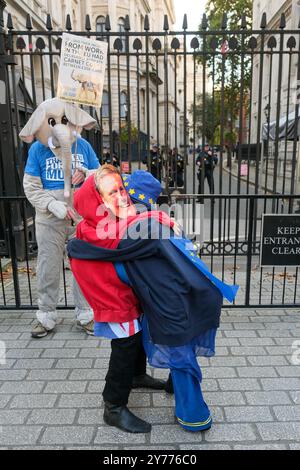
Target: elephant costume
(55, 125)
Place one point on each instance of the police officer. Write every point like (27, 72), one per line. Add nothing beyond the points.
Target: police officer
(206, 161)
(155, 162)
(176, 168)
(114, 160)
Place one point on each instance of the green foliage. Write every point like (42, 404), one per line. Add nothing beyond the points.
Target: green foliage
(227, 70)
(221, 65)
(124, 138)
(215, 114)
(234, 10)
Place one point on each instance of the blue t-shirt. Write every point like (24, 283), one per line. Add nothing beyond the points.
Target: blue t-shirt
(43, 163)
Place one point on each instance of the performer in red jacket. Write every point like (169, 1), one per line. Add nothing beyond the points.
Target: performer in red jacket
(112, 301)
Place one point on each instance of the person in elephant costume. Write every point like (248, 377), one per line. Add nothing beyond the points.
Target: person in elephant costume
(57, 160)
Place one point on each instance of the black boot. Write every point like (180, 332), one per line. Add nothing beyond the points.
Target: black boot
(169, 385)
(146, 381)
(122, 418)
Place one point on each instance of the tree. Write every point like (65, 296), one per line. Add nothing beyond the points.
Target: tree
(215, 115)
(124, 136)
(235, 10)
(225, 58)
(211, 121)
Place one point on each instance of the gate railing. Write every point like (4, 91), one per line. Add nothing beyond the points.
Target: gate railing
(229, 246)
(175, 88)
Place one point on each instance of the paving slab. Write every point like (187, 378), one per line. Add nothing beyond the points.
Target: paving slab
(50, 389)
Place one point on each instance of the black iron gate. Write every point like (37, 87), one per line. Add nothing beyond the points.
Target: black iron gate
(232, 89)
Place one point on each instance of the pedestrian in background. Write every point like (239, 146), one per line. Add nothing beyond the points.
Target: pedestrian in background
(176, 168)
(206, 161)
(155, 162)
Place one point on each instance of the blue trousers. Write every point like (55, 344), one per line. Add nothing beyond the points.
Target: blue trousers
(190, 408)
(191, 411)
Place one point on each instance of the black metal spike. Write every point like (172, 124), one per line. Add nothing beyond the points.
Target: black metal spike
(233, 43)
(9, 22)
(146, 23)
(166, 23)
(272, 43)
(156, 45)
(291, 42)
(9, 43)
(282, 24)
(175, 44)
(204, 23)
(49, 23)
(137, 44)
(243, 22)
(88, 23)
(252, 43)
(40, 43)
(107, 23)
(185, 23)
(263, 23)
(118, 45)
(213, 43)
(28, 22)
(68, 23)
(194, 43)
(20, 43)
(58, 43)
(224, 21)
(127, 23)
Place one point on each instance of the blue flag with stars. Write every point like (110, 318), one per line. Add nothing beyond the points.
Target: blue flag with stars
(186, 247)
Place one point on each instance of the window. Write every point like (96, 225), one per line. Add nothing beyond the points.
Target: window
(105, 107)
(123, 105)
(121, 29)
(100, 27)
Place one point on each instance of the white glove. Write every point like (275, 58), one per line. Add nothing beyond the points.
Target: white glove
(58, 208)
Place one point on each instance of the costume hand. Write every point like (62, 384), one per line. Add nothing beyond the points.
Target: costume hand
(58, 208)
(176, 227)
(72, 215)
(78, 177)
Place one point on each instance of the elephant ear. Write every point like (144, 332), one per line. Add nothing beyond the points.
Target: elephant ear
(35, 122)
(78, 117)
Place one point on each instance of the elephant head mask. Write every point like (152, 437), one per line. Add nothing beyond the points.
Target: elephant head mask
(55, 123)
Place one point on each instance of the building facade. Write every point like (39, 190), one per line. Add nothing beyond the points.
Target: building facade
(124, 90)
(275, 75)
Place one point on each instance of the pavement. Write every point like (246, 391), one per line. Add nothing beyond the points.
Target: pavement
(265, 181)
(50, 392)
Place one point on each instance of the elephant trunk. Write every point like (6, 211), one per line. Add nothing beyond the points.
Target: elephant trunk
(67, 167)
(62, 140)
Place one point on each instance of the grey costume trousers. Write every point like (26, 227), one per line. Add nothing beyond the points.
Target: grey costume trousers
(52, 234)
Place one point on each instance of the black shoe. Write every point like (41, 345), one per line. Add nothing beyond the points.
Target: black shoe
(122, 418)
(146, 381)
(169, 385)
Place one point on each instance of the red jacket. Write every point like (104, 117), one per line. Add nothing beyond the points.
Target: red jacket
(110, 299)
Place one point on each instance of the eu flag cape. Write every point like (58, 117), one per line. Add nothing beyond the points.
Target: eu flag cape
(180, 297)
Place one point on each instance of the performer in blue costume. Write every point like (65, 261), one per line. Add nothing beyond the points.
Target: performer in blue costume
(181, 310)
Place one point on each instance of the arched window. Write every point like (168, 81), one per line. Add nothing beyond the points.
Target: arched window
(105, 107)
(100, 27)
(123, 105)
(121, 29)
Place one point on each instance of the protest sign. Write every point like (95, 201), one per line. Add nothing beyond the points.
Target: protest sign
(82, 70)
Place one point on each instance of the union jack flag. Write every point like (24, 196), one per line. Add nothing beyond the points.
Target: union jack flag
(117, 330)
